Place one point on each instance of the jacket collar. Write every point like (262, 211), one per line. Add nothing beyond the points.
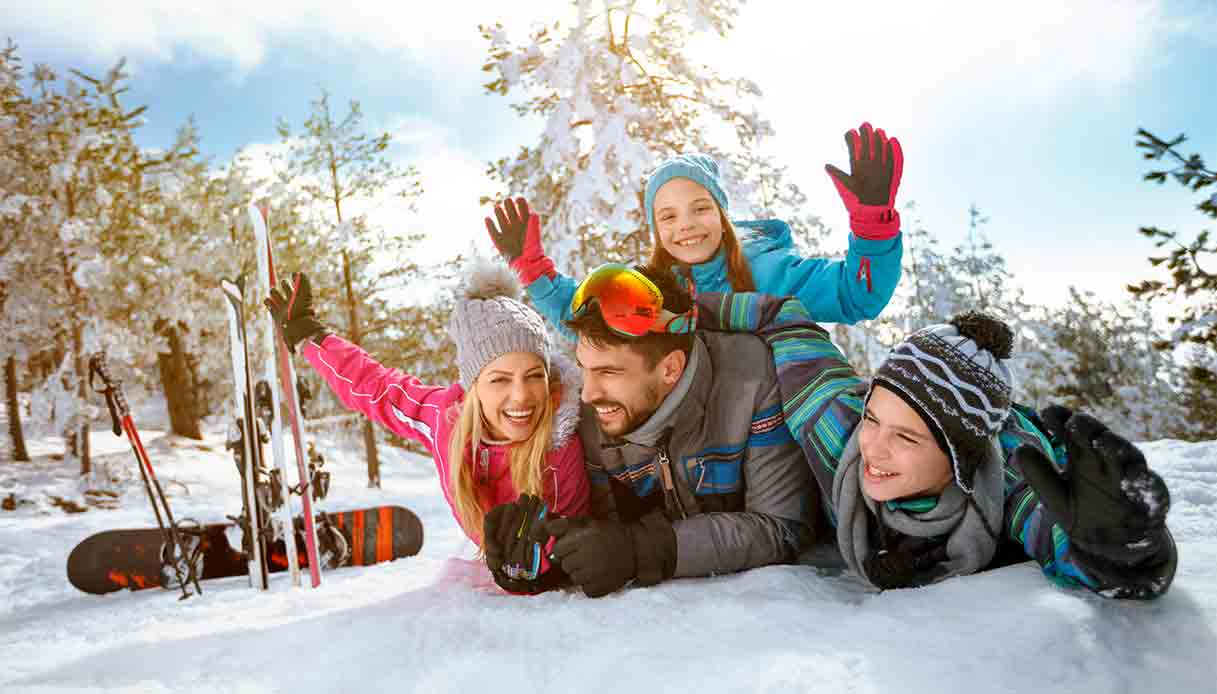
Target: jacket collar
(711, 275)
(566, 418)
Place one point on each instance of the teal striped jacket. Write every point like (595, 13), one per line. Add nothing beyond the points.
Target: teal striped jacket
(822, 400)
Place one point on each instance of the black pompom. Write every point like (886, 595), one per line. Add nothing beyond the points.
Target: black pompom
(989, 333)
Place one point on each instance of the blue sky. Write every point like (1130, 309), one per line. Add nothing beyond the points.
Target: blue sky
(1028, 111)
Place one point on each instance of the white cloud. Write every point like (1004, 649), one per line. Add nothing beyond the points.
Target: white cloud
(443, 35)
(453, 179)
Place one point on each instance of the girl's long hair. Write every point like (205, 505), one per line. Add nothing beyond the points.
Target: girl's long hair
(526, 461)
(739, 275)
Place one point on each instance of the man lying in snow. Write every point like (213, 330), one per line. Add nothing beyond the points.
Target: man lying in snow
(692, 472)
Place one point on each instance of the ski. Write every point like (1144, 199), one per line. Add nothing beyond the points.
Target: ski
(278, 356)
(255, 545)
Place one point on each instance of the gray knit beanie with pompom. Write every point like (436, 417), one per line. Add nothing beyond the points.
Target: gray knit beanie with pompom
(489, 320)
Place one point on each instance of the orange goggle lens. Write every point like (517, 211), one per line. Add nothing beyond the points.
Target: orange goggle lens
(630, 303)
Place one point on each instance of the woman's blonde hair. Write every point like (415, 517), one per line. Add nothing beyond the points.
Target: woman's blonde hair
(739, 275)
(526, 460)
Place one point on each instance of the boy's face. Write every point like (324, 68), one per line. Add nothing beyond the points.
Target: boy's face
(688, 221)
(899, 455)
(619, 384)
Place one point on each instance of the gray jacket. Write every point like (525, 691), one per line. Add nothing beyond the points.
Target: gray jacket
(739, 492)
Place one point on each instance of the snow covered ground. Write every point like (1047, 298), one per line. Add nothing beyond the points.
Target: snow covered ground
(437, 623)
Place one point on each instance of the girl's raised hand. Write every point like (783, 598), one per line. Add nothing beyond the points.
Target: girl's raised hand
(509, 235)
(517, 236)
(876, 164)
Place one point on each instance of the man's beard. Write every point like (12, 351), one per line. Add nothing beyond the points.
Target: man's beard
(634, 418)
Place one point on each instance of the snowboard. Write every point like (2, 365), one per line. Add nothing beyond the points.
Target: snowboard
(134, 559)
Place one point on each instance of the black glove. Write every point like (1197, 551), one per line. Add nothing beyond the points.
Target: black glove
(513, 539)
(906, 564)
(509, 236)
(1110, 504)
(291, 305)
(602, 556)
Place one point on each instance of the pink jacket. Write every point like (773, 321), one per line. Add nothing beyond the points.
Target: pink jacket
(428, 414)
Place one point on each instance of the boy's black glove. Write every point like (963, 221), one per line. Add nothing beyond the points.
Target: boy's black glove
(905, 565)
(513, 541)
(602, 556)
(291, 305)
(1108, 501)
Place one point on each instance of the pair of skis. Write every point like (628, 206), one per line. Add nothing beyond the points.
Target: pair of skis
(278, 369)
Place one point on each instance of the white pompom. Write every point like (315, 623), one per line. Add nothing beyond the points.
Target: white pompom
(489, 279)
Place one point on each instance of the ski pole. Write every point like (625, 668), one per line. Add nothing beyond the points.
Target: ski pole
(120, 417)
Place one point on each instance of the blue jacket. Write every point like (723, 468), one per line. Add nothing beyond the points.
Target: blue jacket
(832, 291)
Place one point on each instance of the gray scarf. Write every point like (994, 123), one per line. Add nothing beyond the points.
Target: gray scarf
(970, 545)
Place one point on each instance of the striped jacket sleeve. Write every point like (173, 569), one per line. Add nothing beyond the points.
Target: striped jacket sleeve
(1026, 521)
(822, 395)
(399, 401)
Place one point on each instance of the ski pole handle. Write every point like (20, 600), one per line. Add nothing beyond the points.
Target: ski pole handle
(115, 400)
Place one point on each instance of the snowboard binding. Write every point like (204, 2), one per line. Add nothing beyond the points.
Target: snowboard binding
(333, 548)
(319, 479)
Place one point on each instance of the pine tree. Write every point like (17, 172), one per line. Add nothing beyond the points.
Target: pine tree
(15, 205)
(1193, 284)
(1097, 357)
(338, 166)
(618, 94)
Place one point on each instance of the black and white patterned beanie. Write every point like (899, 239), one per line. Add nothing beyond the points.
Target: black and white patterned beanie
(489, 320)
(955, 376)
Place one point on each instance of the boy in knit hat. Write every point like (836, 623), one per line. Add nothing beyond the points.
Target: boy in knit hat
(924, 468)
(504, 437)
(930, 471)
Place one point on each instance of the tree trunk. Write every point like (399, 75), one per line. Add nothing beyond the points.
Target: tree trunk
(77, 439)
(369, 434)
(175, 379)
(14, 411)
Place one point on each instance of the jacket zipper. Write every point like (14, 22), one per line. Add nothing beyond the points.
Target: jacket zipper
(669, 488)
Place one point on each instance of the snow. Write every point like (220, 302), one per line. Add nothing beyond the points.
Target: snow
(436, 623)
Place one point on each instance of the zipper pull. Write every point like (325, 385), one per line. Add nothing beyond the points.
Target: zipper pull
(671, 497)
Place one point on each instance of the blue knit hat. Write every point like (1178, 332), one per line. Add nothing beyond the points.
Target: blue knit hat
(696, 167)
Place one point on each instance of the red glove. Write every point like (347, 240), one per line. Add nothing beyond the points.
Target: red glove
(518, 238)
(869, 190)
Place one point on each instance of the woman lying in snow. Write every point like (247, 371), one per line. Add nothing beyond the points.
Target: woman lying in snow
(506, 430)
(930, 471)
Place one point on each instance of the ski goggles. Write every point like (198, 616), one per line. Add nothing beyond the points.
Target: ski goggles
(630, 304)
